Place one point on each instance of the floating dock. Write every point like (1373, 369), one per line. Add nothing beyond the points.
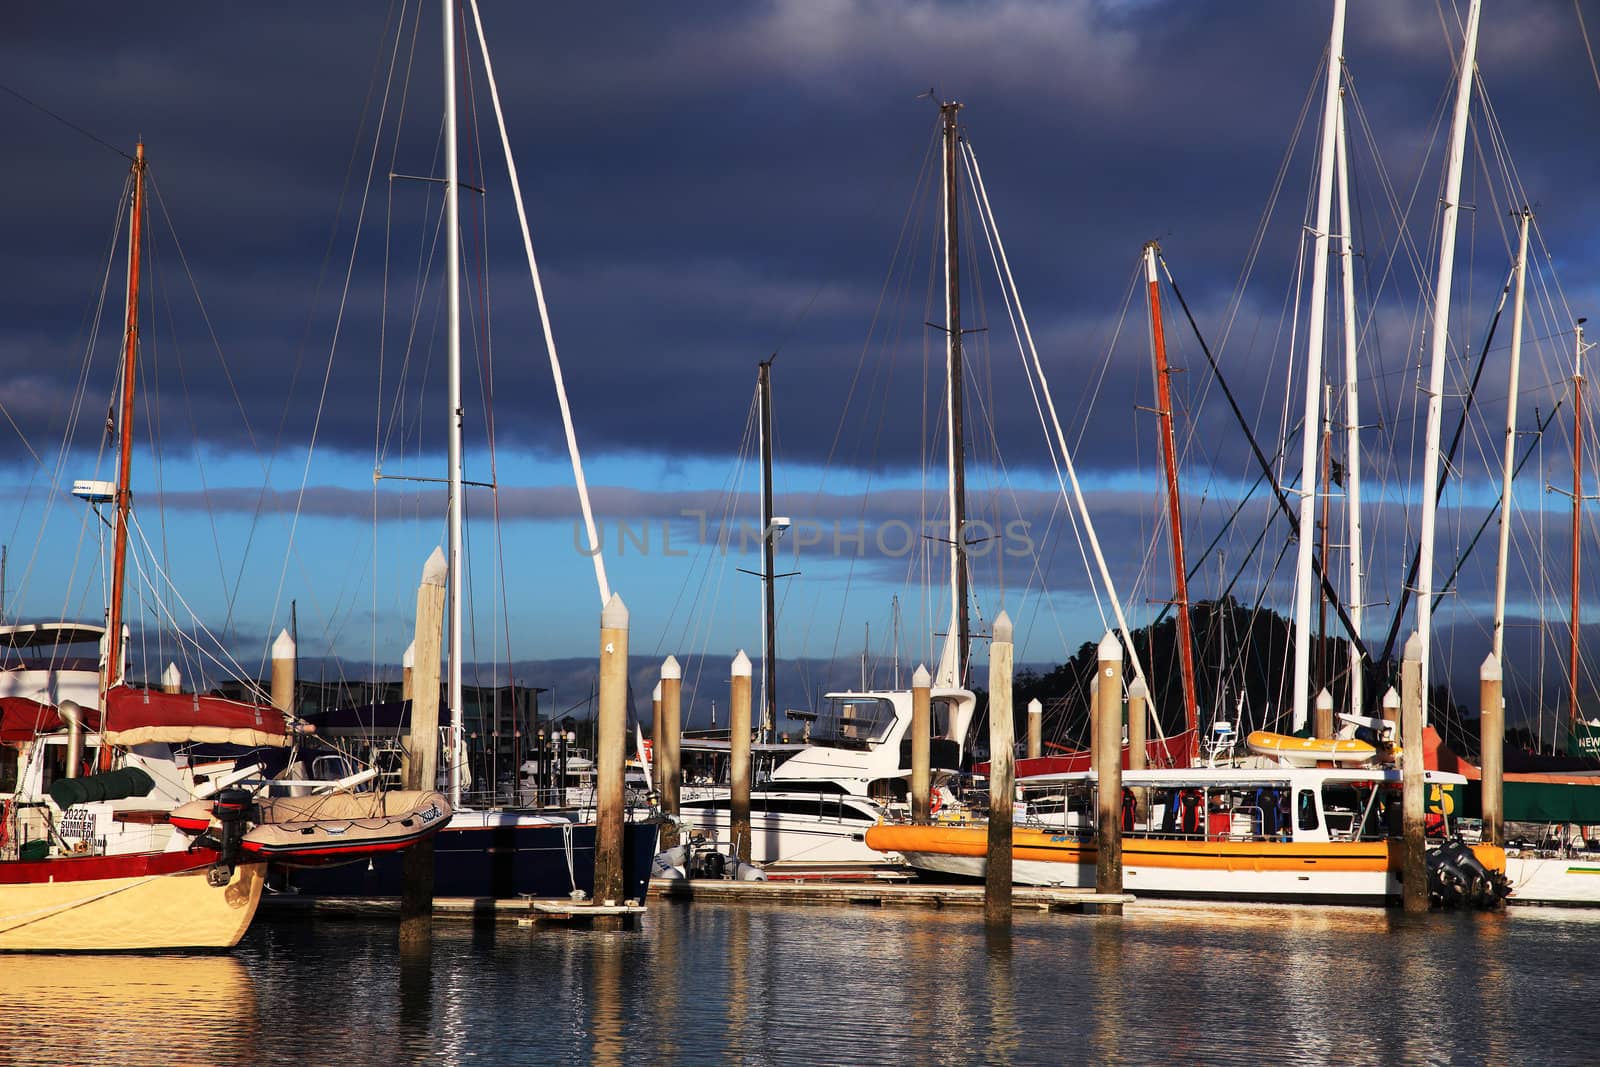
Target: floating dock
(879, 893)
(524, 911)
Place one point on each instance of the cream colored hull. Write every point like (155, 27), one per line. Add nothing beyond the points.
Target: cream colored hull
(144, 911)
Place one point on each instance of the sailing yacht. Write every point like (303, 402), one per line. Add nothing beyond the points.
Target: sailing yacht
(490, 852)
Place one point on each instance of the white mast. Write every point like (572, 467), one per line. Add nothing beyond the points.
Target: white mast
(453, 289)
(1441, 339)
(1352, 415)
(1312, 419)
(1511, 438)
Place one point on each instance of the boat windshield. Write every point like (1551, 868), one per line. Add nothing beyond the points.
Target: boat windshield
(853, 722)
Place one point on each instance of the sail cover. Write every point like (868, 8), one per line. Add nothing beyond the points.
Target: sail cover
(139, 716)
(22, 719)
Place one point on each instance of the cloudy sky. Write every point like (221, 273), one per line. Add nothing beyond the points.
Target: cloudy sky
(708, 184)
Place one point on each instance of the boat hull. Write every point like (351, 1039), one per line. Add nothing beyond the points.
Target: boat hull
(1346, 871)
(790, 838)
(494, 855)
(149, 901)
(1572, 883)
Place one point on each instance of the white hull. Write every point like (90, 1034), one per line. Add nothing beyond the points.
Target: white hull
(1554, 880)
(791, 838)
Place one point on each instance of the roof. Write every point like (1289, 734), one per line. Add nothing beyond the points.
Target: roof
(41, 634)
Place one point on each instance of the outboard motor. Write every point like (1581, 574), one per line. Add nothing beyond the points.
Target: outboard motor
(707, 863)
(232, 809)
(1456, 878)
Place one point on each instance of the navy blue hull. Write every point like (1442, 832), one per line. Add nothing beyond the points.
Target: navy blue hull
(500, 862)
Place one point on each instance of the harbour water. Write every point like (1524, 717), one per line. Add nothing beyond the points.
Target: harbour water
(703, 983)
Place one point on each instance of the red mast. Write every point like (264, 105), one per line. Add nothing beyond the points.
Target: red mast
(1169, 455)
(113, 669)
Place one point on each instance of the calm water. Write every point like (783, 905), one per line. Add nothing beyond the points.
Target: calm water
(725, 984)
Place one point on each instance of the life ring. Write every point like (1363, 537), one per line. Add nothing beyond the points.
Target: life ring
(935, 802)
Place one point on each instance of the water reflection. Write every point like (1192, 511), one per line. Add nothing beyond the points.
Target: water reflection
(1003, 1028)
(702, 984)
(607, 991)
(99, 1009)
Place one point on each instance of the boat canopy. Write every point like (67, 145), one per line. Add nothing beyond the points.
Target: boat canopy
(38, 634)
(22, 719)
(141, 716)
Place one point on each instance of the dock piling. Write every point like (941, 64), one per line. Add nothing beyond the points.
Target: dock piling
(668, 774)
(1138, 751)
(420, 767)
(921, 731)
(1414, 871)
(283, 672)
(1002, 775)
(172, 679)
(611, 732)
(1035, 728)
(1108, 851)
(1322, 717)
(739, 755)
(1491, 746)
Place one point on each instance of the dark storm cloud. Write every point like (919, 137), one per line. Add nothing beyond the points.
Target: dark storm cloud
(705, 184)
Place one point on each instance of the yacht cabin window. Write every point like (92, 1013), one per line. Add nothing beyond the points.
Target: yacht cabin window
(853, 722)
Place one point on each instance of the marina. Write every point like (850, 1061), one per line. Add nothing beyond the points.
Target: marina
(825, 654)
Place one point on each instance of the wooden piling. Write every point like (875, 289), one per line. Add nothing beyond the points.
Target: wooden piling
(1002, 775)
(420, 767)
(611, 735)
(1035, 728)
(1414, 872)
(1108, 851)
(739, 755)
(172, 679)
(921, 733)
(1138, 747)
(1322, 717)
(283, 672)
(1491, 747)
(669, 775)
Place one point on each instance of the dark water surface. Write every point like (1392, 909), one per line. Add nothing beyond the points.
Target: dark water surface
(702, 983)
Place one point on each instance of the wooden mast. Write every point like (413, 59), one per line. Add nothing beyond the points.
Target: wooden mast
(1577, 518)
(130, 352)
(1169, 456)
(958, 491)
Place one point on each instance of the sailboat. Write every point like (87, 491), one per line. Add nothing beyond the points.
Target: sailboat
(87, 861)
(490, 852)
